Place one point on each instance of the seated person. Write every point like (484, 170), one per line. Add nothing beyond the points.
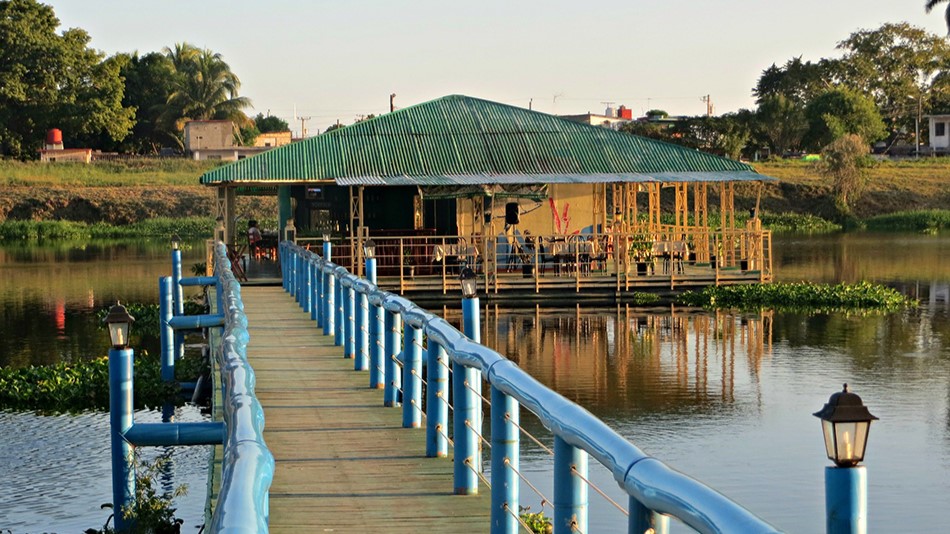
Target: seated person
(254, 238)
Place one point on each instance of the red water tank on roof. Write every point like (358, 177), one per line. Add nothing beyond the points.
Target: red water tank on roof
(54, 137)
(625, 113)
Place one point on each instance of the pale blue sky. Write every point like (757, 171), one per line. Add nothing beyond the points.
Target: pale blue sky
(340, 59)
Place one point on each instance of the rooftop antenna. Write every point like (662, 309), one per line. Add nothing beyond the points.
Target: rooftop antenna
(303, 126)
(609, 106)
(709, 105)
(392, 102)
(556, 96)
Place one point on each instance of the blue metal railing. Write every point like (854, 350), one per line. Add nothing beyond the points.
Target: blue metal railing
(654, 490)
(247, 467)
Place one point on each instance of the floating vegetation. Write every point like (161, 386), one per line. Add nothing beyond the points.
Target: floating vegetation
(926, 221)
(80, 386)
(804, 296)
(798, 223)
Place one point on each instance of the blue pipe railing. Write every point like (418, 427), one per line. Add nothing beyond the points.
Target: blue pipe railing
(654, 490)
(247, 467)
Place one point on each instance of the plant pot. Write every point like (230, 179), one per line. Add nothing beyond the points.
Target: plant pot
(527, 270)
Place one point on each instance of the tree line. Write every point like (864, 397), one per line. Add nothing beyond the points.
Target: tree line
(879, 89)
(882, 86)
(127, 102)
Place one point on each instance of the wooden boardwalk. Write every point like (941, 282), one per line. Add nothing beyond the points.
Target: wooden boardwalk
(343, 462)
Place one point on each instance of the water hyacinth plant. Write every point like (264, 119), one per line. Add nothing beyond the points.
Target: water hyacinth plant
(798, 296)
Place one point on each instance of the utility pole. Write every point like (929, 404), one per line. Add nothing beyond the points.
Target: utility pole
(709, 105)
(392, 102)
(303, 127)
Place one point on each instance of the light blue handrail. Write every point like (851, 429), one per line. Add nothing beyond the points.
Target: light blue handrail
(247, 467)
(652, 486)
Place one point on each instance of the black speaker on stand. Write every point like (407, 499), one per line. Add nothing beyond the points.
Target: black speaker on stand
(512, 214)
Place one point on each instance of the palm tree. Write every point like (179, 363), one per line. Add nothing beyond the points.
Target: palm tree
(204, 88)
(933, 3)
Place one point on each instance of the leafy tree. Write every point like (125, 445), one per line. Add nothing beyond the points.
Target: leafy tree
(656, 114)
(332, 127)
(934, 3)
(270, 124)
(843, 161)
(782, 122)
(899, 66)
(52, 80)
(148, 84)
(203, 88)
(840, 112)
(797, 81)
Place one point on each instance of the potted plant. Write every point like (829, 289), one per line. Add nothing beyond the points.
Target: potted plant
(407, 261)
(641, 250)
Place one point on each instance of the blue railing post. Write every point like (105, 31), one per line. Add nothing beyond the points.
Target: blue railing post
(846, 500)
(167, 339)
(178, 295)
(329, 303)
(437, 401)
(178, 298)
(319, 292)
(642, 519)
(570, 491)
(464, 435)
(393, 378)
(412, 377)
(306, 290)
(472, 328)
(505, 460)
(292, 260)
(314, 289)
(371, 270)
(338, 319)
(327, 288)
(120, 420)
(301, 279)
(361, 363)
(284, 266)
(349, 322)
(377, 347)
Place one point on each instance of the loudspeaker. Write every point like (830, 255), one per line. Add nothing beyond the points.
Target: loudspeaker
(512, 214)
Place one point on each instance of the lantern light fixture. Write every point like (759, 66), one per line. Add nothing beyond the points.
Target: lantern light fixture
(845, 422)
(469, 283)
(119, 321)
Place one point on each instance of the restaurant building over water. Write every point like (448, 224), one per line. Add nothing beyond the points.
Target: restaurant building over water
(538, 206)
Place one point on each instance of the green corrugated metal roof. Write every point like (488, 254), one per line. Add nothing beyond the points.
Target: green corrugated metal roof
(460, 139)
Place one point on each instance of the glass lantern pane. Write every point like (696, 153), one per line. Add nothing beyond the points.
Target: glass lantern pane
(829, 431)
(844, 440)
(860, 439)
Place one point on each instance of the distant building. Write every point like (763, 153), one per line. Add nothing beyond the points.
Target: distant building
(612, 118)
(273, 139)
(939, 133)
(214, 140)
(53, 150)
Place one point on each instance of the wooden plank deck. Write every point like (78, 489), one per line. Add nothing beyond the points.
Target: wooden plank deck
(343, 462)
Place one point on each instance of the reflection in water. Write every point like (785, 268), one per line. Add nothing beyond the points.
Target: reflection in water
(628, 361)
(727, 398)
(49, 295)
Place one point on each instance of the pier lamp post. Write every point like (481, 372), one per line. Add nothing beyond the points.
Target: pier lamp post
(471, 410)
(369, 252)
(120, 413)
(845, 422)
(290, 231)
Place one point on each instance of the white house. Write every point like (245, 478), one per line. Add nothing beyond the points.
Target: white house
(939, 132)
